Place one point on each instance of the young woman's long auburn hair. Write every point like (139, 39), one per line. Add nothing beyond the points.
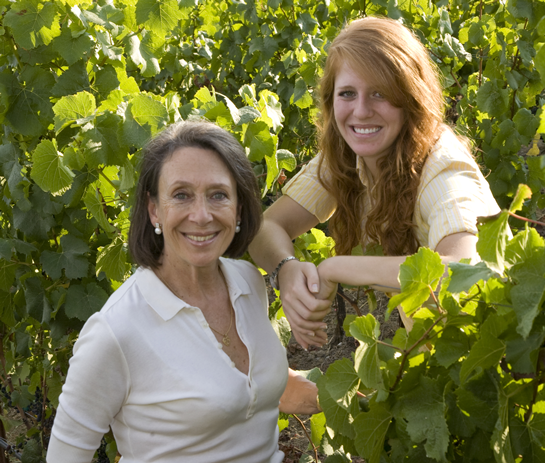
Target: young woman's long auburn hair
(394, 61)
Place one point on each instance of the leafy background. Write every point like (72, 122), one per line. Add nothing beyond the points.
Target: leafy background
(83, 86)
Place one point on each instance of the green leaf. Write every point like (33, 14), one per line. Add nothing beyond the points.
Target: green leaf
(72, 48)
(7, 274)
(70, 258)
(451, 346)
(493, 237)
(72, 81)
(523, 192)
(492, 99)
(539, 62)
(73, 109)
(32, 452)
(33, 22)
(37, 305)
(419, 275)
(366, 360)
(527, 294)
(371, 430)
(522, 354)
(424, 409)
(260, 141)
(160, 16)
(286, 160)
(83, 301)
(301, 97)
(144, 118)
(30, 110)
(343, 382)
(93, 202)
(485, 353)
(48, 169)
(337, 418)
(464, 276)
(526, 123)
(112, 260)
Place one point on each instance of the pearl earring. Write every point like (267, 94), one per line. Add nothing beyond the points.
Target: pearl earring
(237, 228)
(158, 230)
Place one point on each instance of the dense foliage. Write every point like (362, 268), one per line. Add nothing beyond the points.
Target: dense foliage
(84, 84)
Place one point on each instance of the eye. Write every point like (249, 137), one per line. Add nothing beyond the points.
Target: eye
(219, 195)
(347, 94)
(181, 195)
(379, 95)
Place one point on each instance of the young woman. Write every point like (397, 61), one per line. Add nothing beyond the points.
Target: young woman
(389, 172)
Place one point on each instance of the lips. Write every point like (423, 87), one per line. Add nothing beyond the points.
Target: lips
(366, 131)
(200, 238)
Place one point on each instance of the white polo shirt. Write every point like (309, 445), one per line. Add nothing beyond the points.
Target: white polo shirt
(149, 366)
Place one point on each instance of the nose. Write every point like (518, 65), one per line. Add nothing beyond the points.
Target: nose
(200, 213)
(363, 106)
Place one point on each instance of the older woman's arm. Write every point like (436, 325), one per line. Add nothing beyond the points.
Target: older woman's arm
(300, 396)
(382, 272)
(95, 388)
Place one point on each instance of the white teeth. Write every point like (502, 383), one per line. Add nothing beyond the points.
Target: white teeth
(366, 131)
(201, 238)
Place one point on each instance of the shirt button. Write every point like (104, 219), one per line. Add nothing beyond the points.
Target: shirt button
(233, 364)
(450, 205)
(220, 346)
(205, 325)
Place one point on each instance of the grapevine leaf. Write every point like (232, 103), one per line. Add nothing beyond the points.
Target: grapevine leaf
(317, 427)
(160, 16)
(260, 141)
(464, 276)
(48, 170)
(522, 354)
(7, 274)
(249, 114)
(492, 99)
(73, 109)
(272, 170)
(451, 346)
(33, 22)
(100, 142)
(523, 246)
(72, 81)
(371, 429)
(30, 110)
(536, 429)
(144, 117)
(527, 294)
(486, 352)
(338, 419)
(94, 203)
(526, 123)
(501, 437)
(271, 109)
(37, 305)
(539, 61)
(366, 360)
(493, 237)
(286, 160)
(301, 97)
(282, 329)
(70, 259)
(342, 382)
(424, 409)
(418, 275)
(72, 48)
(83, 301)
(523, 192)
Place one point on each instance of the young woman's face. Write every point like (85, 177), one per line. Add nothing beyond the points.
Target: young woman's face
(196, 206)
(366, 120)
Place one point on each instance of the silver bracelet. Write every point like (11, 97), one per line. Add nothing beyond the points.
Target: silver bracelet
(274, 275)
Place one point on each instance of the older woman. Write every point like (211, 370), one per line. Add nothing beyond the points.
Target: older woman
(390, 172)
(182, 362)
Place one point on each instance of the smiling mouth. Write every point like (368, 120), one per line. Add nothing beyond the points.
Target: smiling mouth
(366, 131)
(201, 238)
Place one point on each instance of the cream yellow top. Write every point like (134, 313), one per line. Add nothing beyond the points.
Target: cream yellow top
(451, 195)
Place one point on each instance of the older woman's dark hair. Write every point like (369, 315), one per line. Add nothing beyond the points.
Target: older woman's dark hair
(145, 246)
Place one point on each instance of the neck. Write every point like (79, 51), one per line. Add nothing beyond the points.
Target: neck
(192, 283)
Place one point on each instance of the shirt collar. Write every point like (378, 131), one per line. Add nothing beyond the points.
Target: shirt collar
(167, 305)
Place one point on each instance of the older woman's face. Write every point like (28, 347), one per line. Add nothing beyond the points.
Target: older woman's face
(196, 207)
(367, 121)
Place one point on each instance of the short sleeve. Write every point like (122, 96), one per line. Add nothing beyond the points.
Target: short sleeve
(451, 199)
(95, 388)
(306, 190)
